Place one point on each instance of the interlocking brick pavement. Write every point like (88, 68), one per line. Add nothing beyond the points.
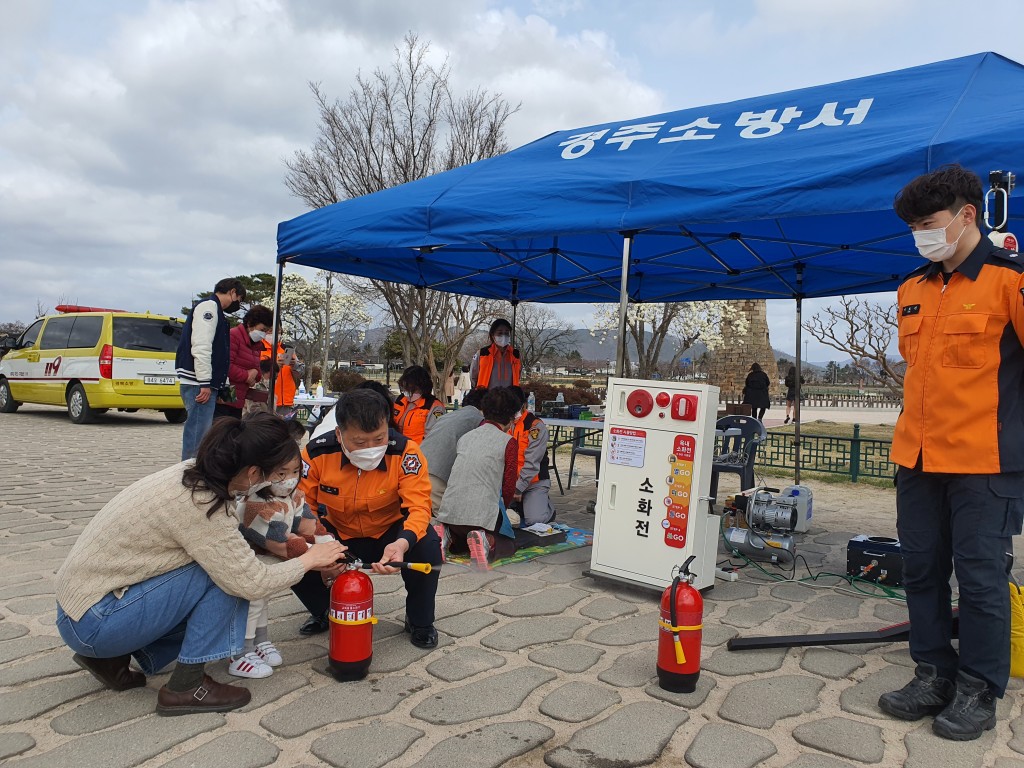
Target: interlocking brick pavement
(538, 665)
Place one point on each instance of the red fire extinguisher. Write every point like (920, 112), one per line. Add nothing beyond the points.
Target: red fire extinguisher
(351, 616)
(682, 617)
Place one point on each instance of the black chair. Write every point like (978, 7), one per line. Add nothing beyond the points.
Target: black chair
(579, 447)
(741, 435)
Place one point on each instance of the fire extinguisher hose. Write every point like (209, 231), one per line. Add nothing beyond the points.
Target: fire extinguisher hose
(680, 656)
(421, 567)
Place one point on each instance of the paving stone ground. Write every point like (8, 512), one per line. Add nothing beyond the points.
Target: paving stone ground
(538, 664)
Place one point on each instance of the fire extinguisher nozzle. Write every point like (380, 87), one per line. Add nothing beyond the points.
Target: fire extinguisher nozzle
(421, 567)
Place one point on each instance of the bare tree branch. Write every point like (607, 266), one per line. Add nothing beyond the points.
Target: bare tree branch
(399, 124)
(865, 331)
(540, 334)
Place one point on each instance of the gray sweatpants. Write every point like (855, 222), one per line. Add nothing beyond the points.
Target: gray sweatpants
(537, 507)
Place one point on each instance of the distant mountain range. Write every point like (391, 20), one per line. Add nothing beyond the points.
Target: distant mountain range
(593, 347)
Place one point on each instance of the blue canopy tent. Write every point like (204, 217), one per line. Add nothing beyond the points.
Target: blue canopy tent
(781, 196)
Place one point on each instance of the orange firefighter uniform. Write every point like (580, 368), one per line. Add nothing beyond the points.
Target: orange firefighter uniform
(963, 411)
(369, 509)
(366, 503)
(415, 419)
(534, 478)
(959, 444)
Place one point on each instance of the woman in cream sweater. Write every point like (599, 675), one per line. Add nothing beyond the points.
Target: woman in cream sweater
(162, 572)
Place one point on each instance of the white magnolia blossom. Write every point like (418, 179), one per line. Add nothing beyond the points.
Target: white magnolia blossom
(678, 324)
(303, 305)
(689, 323)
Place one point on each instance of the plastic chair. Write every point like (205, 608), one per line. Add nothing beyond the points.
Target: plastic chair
(741, 435)
(580, 448)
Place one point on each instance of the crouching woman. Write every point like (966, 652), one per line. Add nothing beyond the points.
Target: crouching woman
(162, 572)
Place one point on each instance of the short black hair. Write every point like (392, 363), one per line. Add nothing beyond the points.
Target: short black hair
(229, 284)
(376, 386)
(258, 315)
(416, 377)
(296, 429)
(380, 389)
(364, 409)
(472, 398)
(499, 323)
(519, 393)
(500, 405)
(949, 188)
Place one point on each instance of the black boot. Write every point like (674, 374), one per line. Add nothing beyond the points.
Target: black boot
(970, 714)
(926, 694)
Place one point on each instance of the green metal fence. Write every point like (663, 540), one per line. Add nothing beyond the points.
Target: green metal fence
(854, 457)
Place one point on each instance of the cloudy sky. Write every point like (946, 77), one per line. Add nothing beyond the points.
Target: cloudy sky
(142, 143)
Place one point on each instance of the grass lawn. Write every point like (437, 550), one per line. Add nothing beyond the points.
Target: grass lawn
(823, 428)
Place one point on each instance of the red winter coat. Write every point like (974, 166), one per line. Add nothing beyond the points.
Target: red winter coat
(245, 356)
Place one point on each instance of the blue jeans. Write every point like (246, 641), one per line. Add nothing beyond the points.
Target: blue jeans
(200, 417)
(179, 615)
(963, 524)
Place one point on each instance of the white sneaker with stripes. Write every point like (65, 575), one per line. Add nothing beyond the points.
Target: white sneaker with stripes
(269, 653)
(250, 665)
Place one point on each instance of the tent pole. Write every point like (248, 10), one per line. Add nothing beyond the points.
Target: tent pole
(799, 372)
(620, 352)
(275, 339)
(514, 301)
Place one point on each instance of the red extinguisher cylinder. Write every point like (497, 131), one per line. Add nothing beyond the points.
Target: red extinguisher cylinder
(679, 635)
(351, 618)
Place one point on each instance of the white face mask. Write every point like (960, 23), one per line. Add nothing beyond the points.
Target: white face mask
(252, 490)
(257, 335)
(365, 458)
(411, 397)
(502, 339)
(284, 487)
(931, 243)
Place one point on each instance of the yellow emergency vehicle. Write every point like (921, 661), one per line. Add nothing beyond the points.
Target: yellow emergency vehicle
(90, 360)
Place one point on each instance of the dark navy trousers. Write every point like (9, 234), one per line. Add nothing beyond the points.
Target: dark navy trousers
(421, 588)
(963, 524)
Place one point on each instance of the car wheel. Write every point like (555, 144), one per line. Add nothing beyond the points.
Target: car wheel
(7, 403)
(177, 416)
(78, 406)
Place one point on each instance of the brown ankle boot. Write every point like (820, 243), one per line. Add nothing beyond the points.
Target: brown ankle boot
(211, 696)
(113, 673)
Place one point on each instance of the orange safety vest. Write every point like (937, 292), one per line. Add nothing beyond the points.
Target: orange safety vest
(521, 432)
(411, 418)
(284, 386)
(495, 354)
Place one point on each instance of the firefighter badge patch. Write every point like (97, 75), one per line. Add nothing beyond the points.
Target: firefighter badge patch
(411, 464)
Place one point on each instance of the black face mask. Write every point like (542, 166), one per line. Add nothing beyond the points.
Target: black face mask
(234, 306)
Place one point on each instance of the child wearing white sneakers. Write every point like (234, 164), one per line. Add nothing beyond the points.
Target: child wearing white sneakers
(279, 525)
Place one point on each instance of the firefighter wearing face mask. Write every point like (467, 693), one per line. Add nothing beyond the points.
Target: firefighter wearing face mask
(497, 365)
(416, 410)
(959, 447)
(373, 484)
(533, 485)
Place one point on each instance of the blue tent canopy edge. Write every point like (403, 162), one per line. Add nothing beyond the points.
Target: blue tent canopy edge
(779, 196)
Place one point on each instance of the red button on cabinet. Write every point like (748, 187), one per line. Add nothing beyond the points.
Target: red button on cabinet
(639, 403)
(684, 407)
(662, 399)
